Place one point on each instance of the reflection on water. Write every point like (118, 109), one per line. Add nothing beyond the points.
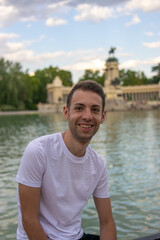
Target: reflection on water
(130, 144)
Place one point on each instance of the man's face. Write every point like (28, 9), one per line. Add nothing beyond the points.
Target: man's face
(84, 114)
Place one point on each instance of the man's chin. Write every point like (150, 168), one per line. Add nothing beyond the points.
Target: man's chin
(84, 137)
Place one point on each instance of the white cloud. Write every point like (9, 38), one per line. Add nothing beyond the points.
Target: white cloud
(55, 22)
(130, 63)
(156, 60)
(140, 65)
(82, 54)
(6, 36)
(27, 43)
(144, 5)
(60, 6)
(15, 46)
(152, 44)
(134, 20)
(42, 37)
(11, 11)
(94, 13)
(27, 56)
(7, 14)
(150, 34)
(18, 51)
(53, 55)
(151, 61)
(27, 19)
(95, 64)
(22, 56)
(124, 54)
(78, 68)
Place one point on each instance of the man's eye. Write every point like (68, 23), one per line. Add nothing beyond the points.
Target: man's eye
(96, 110)
(79, 108)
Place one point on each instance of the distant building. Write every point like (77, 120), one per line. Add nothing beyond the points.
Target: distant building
(115, 93)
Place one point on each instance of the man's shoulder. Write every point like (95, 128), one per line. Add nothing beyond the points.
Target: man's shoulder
(92, 151)
(46, 138)
(96, 156)
(43, 142)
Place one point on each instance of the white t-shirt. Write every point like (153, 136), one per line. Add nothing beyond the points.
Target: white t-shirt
(66, 181)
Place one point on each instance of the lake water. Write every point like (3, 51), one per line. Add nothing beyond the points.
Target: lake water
(130, 145)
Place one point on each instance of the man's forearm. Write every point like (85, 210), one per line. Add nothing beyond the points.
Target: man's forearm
(108, 231)
(34, 229)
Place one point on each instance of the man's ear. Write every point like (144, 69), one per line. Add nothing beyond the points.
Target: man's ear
(65, 112)
(103, 116)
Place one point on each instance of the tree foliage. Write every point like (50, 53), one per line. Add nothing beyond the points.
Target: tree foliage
(93, 75)
(47, 75)
(19, 90)
(11, 83)
(156, 69)
(31, 96)
(131, 78)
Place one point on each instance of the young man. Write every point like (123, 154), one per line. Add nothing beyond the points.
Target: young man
(59, 173)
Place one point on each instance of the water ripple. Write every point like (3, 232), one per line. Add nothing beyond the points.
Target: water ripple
(130, 144)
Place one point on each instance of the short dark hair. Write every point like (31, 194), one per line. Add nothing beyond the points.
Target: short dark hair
(87, 85)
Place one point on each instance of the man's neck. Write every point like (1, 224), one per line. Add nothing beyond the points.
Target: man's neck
(75, 147)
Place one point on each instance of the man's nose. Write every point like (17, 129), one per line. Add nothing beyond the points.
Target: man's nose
(87, 114)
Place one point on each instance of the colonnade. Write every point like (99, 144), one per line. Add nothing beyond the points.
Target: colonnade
(140, 96)
(57, 93)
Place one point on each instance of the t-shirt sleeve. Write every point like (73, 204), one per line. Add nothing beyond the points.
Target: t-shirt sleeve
(102, 188)
(32, 166)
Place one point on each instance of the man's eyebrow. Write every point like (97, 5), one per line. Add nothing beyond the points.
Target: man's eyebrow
(96, 106)
(81, 104)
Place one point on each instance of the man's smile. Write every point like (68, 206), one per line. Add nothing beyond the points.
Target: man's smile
(86, 125)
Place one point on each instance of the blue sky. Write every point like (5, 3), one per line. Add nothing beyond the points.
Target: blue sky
(77, 34)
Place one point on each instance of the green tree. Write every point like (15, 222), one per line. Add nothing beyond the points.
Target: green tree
(93, 75)
(156, 69)
(131, 78)
(31, 95)
(11, 83)
(20, 90)
(47, 75)
(66, 78)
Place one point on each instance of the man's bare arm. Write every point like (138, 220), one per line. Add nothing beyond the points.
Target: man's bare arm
(30, 204)
(107, 224)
